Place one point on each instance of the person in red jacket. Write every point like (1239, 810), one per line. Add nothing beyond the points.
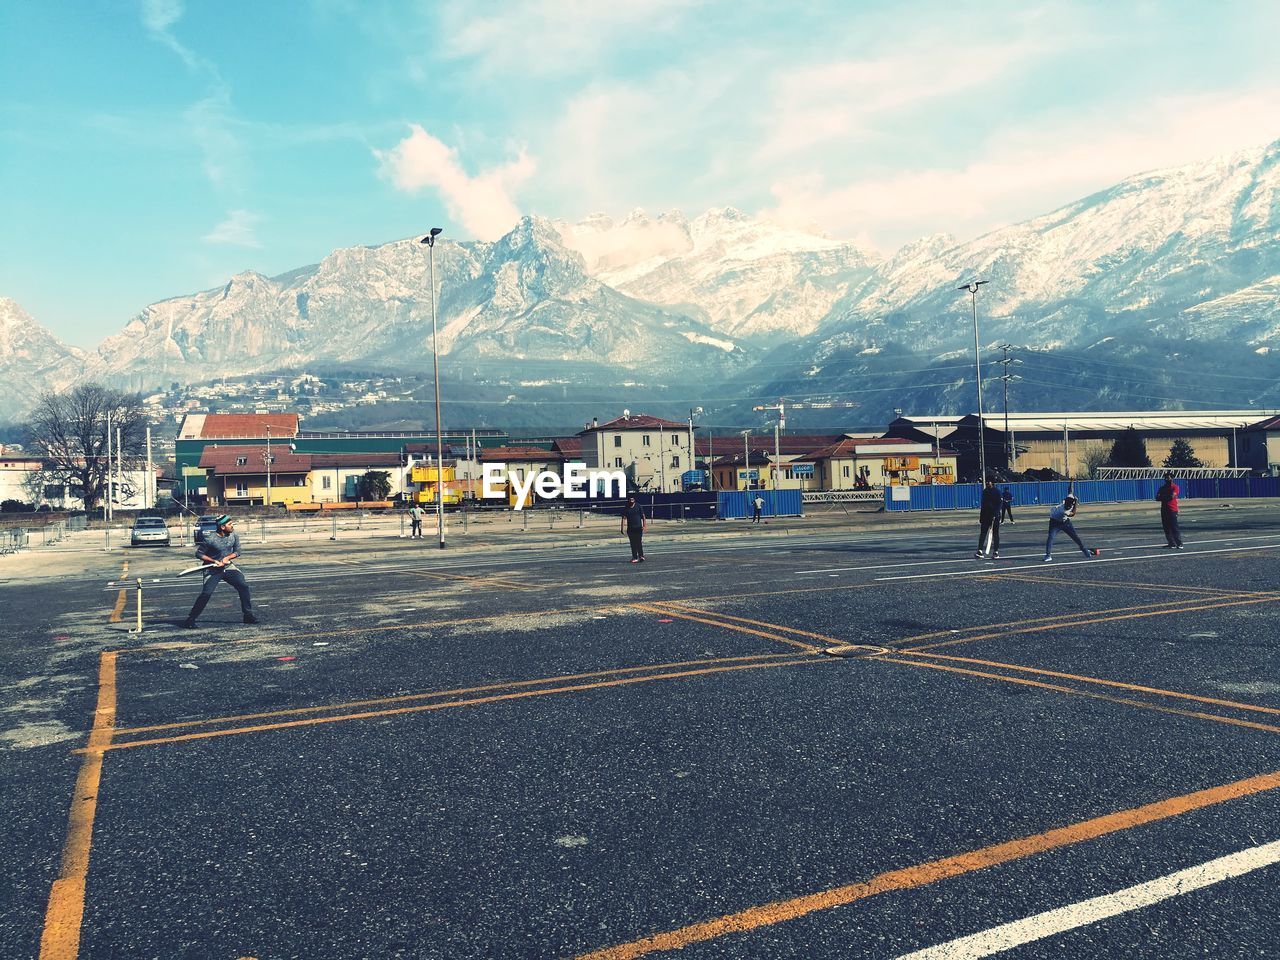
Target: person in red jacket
(1168, 497)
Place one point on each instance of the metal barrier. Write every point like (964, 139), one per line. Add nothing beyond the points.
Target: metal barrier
(966, 496)
(842, 496)
(13, 540)
(738, 504)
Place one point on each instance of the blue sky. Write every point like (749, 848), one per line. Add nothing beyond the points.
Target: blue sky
(155, 148)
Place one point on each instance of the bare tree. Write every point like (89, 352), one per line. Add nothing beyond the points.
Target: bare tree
(68, 431)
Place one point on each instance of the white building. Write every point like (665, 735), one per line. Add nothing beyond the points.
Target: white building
(654, 452)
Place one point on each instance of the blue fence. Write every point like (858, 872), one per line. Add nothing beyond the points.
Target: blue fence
(736, 504)
(965, 496)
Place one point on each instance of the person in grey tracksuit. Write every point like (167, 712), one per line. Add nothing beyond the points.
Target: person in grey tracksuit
(219, 548)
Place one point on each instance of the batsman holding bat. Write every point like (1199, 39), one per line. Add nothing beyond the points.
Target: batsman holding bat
(219, 549)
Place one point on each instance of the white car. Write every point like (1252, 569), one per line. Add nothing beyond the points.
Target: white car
(149, 530)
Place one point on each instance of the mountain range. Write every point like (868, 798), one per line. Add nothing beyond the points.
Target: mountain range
(1160, 279)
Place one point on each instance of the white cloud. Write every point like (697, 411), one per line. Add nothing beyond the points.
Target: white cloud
(1030, 172)
(483, 203)
(159, 16)
(549, 36)
(237, 230)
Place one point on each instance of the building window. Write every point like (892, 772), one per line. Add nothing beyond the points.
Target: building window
(242, 461)
(644, 440)
(617, 439)
(675, 461)
(846, 471)
(242, 489)
(675, 439)
(617, 462)
(326, 483)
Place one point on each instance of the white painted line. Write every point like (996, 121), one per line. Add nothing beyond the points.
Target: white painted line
(989, 570)
(968, 557)
(1052, 922)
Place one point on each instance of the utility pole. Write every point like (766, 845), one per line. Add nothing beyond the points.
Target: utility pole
(267, 457)
(693, 456)
(746, 460)
(106, 510)
(972, 288)
(149, 495)
(120, 456)
(1010, 447)
(430, 241)
(779, 425)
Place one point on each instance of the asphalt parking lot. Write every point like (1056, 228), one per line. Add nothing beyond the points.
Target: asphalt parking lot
(831, 743)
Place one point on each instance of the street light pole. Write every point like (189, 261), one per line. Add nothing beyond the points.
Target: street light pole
(972, 288)
(268, 456)
(430, 241)
(746, 460)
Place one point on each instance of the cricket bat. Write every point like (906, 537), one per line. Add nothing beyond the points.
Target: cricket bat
(198, 566)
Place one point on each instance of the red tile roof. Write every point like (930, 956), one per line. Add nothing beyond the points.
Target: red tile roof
(637, 421)
(1271, 423)
(571, 447)
(225, 426)
(283, 460)
(520, 455)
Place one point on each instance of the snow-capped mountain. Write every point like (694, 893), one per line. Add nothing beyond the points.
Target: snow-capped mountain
(1191, 252)
(526, 296)
(1160, 259)
(747, 276)
(32, 359)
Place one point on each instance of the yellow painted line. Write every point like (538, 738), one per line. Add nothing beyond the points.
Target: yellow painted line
(475, 701)
(64, 914)
(1094, 620)
(118, 610)
(1138, 688)
(457, 691)
(924, 874)
(724, 625)
(1089, 695)
(1127, 584)
(757, 623)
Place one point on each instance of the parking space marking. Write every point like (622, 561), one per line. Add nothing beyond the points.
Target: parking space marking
(457, 691)
(1137, 688)
(1173, 555)
(472, 702)
(924, 874)
(1087, 694)
(1052, 922)
(682, 605)
(60, 939)
(675, 612)
(996, 577)
(1087, 620)
(117, 612)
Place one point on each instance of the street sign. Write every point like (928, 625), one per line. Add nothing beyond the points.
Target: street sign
(802, 469)
(748, 474)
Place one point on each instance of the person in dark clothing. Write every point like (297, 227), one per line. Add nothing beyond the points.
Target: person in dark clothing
(989, 516)
(219, 548)
(633, 525)
(1168, 497)
(1006, 505)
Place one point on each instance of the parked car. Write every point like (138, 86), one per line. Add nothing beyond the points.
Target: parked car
(206, 524)
(148, 530)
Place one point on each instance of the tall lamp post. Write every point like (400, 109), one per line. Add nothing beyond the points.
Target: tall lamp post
(693, 454)
(266, 458)
(746, 460)
(430, 241)
(972, 288)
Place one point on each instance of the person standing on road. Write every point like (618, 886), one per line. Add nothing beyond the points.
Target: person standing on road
(1168, 497)
(416, 513)
(757, 508)
(219, 548)
(1060, 520)
(1006, 505)
(989, 517)
(633, 525)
